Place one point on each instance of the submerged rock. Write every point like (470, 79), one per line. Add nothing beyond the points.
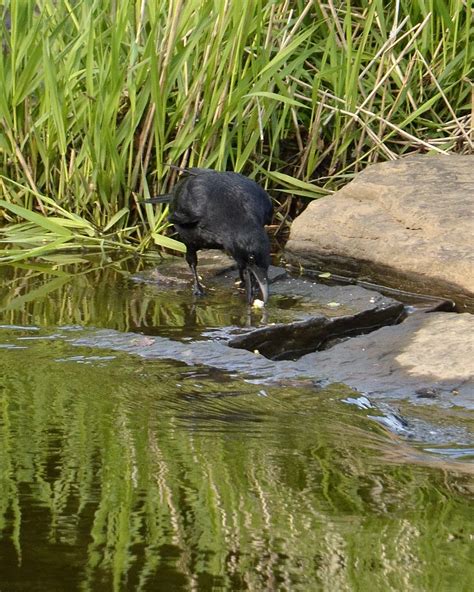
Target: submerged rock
(354, 335)
(429, 358)
(323, 314)
(406, 224)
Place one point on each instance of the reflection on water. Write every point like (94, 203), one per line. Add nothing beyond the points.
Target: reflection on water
(127, 296)
(118, 473)
(87, 294)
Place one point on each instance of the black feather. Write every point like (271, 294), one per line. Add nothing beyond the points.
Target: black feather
(190, 171)
(165, 198)
(223, 210)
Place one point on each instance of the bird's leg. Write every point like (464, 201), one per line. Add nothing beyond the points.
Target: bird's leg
(241, 282)
(191, 258)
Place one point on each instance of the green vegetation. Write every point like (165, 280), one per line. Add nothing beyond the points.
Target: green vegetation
(95, 98)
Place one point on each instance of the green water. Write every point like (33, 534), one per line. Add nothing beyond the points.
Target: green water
(118, 473)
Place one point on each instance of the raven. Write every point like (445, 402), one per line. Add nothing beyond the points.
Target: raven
(227, 211)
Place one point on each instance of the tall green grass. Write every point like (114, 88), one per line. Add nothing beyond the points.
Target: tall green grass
(95, 98)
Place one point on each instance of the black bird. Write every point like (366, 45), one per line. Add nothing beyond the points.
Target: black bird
(223, 210)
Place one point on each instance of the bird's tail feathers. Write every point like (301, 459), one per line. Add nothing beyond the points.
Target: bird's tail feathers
(193, 171)
(157, 199)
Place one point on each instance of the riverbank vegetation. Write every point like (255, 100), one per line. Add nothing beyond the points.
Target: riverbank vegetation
(96, 98)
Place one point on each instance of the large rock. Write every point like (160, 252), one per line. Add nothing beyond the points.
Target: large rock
(406, 224)
(429, 358)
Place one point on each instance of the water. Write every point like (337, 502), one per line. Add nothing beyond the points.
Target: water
(121, 473)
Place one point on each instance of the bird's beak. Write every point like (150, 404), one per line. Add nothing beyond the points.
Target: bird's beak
(262, 280)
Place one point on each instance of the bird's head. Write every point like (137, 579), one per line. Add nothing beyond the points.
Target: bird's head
(254, 260)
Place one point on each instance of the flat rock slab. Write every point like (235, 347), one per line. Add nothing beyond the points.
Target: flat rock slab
(214, 268)
(407, 224)
(174, 271)
(429, 358)
(308, 304)
(322, 314)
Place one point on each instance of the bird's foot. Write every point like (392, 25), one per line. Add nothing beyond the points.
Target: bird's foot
(199, 291)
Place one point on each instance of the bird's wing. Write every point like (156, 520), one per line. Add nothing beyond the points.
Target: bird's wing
(182, 218)
(268, 211)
